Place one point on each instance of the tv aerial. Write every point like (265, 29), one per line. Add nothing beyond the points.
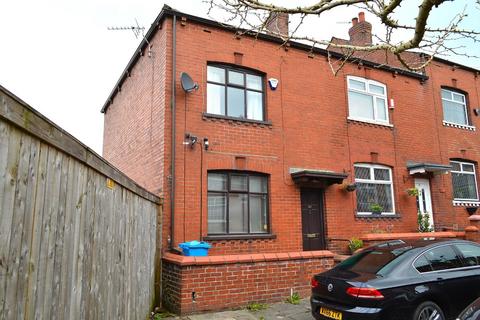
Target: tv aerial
(137, 30)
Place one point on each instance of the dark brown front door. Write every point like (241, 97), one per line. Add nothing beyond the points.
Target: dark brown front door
(313, 230)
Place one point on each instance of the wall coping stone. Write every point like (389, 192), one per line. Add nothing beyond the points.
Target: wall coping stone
(245, 258)
(410, 235)
(474, 217)
(471, 229)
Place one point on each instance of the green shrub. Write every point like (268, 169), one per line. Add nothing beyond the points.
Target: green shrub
(294, 298)
(413, 192)
(255, 306)
(424, 222)
(355, 244)
(376, 208)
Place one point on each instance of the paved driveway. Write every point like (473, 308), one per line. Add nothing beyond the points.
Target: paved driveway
(273, 312)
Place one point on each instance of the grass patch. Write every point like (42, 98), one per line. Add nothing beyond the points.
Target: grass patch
(294, 298)
(162, 315)
(255, 306)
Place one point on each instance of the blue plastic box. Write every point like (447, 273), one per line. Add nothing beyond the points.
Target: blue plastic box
(195, 248)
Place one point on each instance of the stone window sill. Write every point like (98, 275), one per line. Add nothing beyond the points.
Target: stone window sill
(370, 123)
(211, 116)
(459, 126)
(239, 237)
(377, 216)
(458, 203)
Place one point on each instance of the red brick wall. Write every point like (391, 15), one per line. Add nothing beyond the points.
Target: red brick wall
(135, 124)
(309, 129)
(237, 280)
(454, 142)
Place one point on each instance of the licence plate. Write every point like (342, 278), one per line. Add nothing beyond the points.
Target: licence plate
(331, 314)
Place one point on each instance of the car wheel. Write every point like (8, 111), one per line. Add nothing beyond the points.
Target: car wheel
(428, 311)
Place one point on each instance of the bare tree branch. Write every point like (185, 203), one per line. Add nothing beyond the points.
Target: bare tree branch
(252, 16)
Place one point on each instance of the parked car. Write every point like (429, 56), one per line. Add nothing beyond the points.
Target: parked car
(472, 312)
(408, 280)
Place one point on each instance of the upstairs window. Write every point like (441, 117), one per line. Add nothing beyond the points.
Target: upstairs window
(235, 93)
(237, 203)
(374, 189)
(367, 100)
(464, 181)
(454, 107)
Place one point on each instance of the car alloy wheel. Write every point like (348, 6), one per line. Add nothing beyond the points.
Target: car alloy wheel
(428, 311)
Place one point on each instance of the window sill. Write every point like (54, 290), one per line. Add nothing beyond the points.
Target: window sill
(377, 216)
(212, 116)
(240, 237)
(463, 203)
(368, 122)
(459, 126)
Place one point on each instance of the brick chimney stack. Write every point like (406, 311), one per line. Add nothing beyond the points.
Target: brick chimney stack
(277, 24)
(361, 31)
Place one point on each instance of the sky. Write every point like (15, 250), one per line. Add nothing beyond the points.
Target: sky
(60, 57)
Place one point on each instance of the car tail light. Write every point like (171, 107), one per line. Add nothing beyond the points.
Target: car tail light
(364, 293)
(314, 283)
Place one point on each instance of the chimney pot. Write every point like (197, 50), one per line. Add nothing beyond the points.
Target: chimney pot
(361, 16)
(361, 31)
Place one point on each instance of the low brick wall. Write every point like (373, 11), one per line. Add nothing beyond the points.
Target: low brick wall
(194, 284)
(375, 238)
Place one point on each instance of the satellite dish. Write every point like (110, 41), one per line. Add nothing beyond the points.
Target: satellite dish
(187, 83)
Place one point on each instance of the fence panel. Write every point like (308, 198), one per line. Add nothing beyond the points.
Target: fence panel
(77, 238)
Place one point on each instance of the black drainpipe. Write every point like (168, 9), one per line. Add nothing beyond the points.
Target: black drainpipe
(172, 183)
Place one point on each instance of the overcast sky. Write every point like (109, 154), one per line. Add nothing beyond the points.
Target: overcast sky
(59, 56)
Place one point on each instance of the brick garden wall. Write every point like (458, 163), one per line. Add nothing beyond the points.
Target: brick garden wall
(373, 239)
(221, 282)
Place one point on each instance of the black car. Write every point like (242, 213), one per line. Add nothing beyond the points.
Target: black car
(472, 312)
(422, 279)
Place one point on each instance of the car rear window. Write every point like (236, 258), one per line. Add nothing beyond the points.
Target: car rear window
(372, 261)
(422, 264)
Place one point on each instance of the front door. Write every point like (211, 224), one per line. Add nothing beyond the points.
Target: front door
(313, 229)
(424, 199)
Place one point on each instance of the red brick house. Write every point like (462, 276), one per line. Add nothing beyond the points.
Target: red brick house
(262, 158)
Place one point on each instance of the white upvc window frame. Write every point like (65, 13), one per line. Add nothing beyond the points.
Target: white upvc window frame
(371, 168)
(367, 91)
(467, 125)
(474, 173)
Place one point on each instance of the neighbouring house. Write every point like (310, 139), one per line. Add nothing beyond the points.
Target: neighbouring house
(277, 162)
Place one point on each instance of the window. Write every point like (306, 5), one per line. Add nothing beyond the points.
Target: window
(367, 100)
(464, 181)
(422, 264)
(441, 258)
(454, 107)
(237, 203)
(470, 254)
(374, 189)
(235, 93)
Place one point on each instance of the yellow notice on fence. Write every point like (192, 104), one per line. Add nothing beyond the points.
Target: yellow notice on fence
(110, 183)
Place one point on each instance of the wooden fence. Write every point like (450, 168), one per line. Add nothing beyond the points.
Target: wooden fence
(77, 237)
